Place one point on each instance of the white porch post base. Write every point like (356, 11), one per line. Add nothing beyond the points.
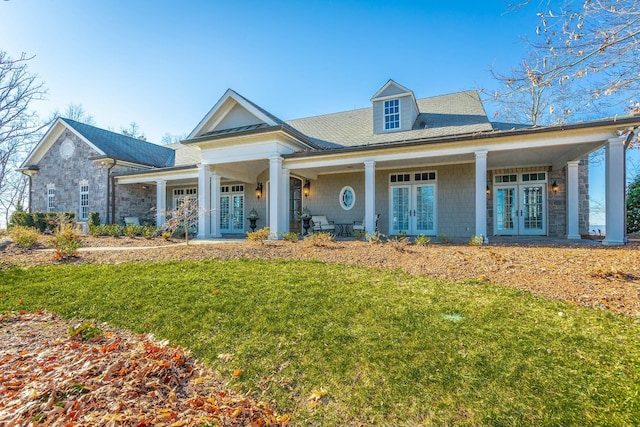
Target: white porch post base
(573, 218)
(481, 195)
(370, 196)
(615, 189)
(161, 202)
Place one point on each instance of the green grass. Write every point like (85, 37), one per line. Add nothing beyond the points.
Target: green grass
(389, 348)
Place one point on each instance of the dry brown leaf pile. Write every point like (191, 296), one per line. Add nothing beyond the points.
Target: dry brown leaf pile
(48, 378)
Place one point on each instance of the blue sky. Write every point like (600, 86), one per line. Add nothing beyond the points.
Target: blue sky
(164, 64)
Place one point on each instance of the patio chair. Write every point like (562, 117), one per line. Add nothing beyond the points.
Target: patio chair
(322, 224)
(359, 225)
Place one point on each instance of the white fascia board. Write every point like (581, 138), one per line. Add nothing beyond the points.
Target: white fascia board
(217, 108)
(153, 177)
(376, 96)
(49, 138)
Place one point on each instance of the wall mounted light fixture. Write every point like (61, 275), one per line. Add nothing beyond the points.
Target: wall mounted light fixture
(554, 187)
(488, 191)
(259, 190)
(306, 189)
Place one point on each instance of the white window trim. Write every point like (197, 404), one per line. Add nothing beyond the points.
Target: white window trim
(51, 197)
(84, 183)
(188, 192)
(341, 197)
(384, 115)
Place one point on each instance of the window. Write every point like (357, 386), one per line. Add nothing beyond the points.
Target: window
(51, 198)
(84, 200)
(540, 176)
(506, 178)
(392, 114)
(180, 195)
(424, 176)
(347, 198)
(400, 177)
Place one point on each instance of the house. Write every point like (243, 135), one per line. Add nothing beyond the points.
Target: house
(434, 166)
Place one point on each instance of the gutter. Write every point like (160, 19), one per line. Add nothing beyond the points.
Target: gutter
(29, 171)
(110, 197)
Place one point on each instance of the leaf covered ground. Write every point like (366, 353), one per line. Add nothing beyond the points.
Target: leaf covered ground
(101, 376)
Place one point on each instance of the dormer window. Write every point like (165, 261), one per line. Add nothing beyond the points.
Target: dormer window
(392, 114)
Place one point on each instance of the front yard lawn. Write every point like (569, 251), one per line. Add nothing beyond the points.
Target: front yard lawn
(338, 345)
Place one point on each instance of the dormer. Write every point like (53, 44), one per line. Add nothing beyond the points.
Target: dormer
(394, 108)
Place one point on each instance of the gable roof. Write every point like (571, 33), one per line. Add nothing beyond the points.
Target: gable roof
(122, 147)
(439, 116)
(211, 119)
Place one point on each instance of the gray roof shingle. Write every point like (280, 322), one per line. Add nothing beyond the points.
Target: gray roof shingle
(446, 115)
(124, 147)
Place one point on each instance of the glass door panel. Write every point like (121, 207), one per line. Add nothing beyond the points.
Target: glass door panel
(532, 219)
(424, 213)
(238, 213)
(505, 210)
(225, 213)
(400, 199)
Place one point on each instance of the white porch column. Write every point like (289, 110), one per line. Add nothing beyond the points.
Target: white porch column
(573, 204)
(370, 196)
(204, 201)
(275, 195)
(615, 189)
(285, 195)
(481, 194)
(161, 201)
(215, 205)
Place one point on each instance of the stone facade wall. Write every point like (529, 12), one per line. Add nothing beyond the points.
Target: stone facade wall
(137, 200)
(66, 175)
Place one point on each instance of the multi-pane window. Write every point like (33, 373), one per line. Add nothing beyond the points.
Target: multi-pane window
(392, 114)
(181, 195)
(84, 200)
(51, 198)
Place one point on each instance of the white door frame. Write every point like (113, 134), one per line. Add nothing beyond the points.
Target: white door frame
(519, 186)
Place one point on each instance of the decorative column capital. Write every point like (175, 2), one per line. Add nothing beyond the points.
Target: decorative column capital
(481, 154)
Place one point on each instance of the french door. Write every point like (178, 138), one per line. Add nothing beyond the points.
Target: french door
(520, 209)
(232, 213)
(413, 209)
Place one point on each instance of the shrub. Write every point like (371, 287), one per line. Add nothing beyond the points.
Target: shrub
(259, 235)
(375, 237)
(476, 240)
(318, 239)
(443, 238)
(359, 234)
(399, 242)
(97, 230)
(166, 235)
(113, 230)
(422, 240)
(94, 219)
(66, 242)
(291, 236)
(132, 230)
(149, 231)
(25, 237)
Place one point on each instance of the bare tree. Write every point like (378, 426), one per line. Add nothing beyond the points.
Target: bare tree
(588, 49)
(169, 138)
(133, 131)
(183, 218)
(74, 112)
(19, 126)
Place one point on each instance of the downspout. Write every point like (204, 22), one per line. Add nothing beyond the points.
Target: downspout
(29, 202)
(109, 218)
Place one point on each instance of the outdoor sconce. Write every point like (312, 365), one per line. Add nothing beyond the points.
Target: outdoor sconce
(488, 191)
(306, 188)
(554, 187)
(259, 190)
